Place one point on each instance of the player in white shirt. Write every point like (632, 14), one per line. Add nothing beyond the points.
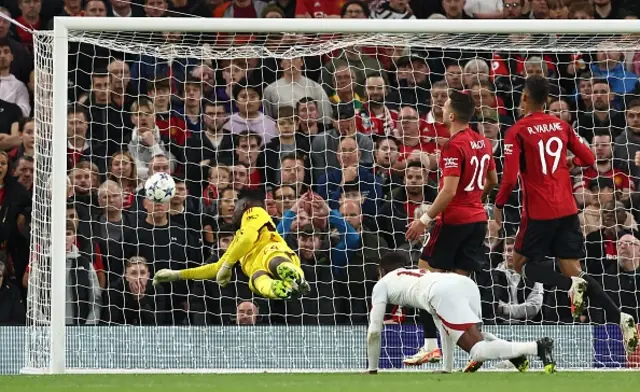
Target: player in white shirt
(454, 302)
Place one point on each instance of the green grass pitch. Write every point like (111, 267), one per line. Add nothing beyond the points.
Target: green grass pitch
(385, 382)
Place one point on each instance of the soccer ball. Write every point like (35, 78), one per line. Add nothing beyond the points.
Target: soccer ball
(160, 188)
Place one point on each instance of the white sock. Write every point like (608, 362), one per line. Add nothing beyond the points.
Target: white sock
(501, 349)
(489, 337)
(430, 344)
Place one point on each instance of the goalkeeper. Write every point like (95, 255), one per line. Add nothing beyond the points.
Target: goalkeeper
(272, 267)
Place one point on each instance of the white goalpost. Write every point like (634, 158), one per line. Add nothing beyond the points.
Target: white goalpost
(53, 347)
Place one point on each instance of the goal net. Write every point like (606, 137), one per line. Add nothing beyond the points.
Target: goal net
(341, 134)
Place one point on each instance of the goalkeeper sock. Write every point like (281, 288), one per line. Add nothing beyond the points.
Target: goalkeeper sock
(264, 286)
(599, 298)
(430, 331)
(545, 274)
(501, 349)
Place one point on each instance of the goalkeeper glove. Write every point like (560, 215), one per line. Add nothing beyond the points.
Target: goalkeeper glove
(224, 274)
(166, 275)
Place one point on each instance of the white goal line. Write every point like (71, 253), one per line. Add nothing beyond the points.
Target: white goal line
(79, 371)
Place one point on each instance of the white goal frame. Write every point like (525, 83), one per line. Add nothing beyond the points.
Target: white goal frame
(62, 26)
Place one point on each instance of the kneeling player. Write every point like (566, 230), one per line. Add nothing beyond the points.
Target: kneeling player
(272, 267)
(458, 316)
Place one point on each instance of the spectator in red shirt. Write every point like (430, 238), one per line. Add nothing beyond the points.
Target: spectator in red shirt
(412, 146)
(240, 9)
(170, 124)
(376, 92)
(318, 9)
(30, 18)
(603, 148)
(435, 131)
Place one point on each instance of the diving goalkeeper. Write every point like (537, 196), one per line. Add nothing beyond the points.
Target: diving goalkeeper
(272, 267)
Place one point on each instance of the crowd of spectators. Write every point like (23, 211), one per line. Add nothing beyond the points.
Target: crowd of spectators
(344, 145)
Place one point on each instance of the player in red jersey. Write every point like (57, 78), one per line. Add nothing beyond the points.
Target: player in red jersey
(456, 239)
(536, 148)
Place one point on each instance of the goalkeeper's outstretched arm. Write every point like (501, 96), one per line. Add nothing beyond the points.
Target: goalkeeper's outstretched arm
(241, 245)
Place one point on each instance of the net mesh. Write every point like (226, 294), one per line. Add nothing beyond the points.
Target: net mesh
(183, 103)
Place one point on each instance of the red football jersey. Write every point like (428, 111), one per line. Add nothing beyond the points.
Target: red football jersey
(620, 179)
(318, 8)
(467, 155)
(536, 147)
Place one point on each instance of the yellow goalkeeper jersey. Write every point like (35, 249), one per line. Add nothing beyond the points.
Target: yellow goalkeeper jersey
(268, 242)
(253, 246)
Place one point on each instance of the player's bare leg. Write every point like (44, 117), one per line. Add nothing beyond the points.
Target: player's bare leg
(482, 349)
(429, 352)
(270, 288)
(290, 273)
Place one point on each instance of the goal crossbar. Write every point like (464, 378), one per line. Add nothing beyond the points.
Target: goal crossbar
(332, 26)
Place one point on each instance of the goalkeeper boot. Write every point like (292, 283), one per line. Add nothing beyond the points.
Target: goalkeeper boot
(576, 294)
(545, 353)
(521, 363)
(629, 332)
(281, 289)
(423, 356)
(294, 277)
